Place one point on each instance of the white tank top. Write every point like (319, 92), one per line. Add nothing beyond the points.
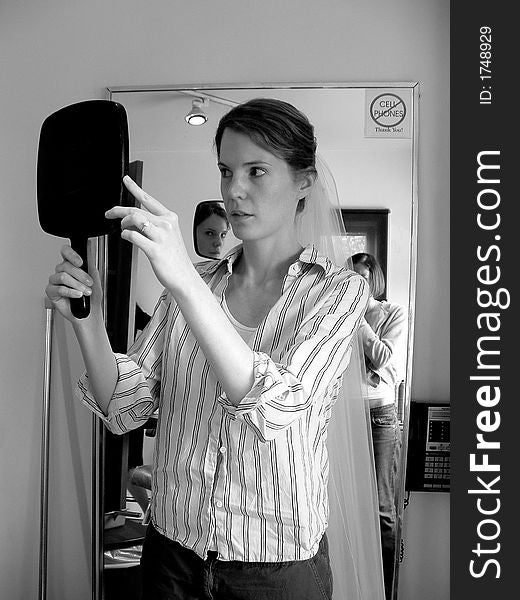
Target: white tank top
(246, 333)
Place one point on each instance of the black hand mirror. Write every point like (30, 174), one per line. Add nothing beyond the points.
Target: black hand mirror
(82, 158)
(212, 235)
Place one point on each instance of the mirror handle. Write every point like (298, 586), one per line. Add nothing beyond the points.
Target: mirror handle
(80, 307)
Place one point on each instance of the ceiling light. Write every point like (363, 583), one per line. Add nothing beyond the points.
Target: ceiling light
(197, 115)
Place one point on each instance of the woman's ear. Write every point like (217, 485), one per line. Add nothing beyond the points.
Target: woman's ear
(307, 181)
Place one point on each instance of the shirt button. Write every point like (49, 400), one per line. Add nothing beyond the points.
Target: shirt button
(219, 504)
(223, 450)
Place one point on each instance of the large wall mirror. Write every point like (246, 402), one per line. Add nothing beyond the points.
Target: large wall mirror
(367, 134)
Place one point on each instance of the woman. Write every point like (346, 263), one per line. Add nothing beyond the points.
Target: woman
(382, 333)
(243, 358)
(211, 228)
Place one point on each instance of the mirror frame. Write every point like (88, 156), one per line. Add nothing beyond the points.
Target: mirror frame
(97, 437)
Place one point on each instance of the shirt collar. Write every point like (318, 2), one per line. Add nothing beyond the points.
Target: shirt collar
(313, 256)
(309, 255)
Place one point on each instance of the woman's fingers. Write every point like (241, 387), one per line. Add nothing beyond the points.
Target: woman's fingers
(64, 284)
(142, 241)
(155, 231)
(138, 219)
(150, 203)
(143, 223)
(71, 256)
(137, 222)
(120, 212)
(132, 219)
(72, 266)
(71, 280)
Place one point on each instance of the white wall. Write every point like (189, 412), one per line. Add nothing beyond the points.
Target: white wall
(62, 51)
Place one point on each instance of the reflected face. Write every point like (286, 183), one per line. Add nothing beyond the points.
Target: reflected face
(259, 190)
(211, 234)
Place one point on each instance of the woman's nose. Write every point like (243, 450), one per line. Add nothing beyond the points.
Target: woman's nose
(236, 187)
(217, 242)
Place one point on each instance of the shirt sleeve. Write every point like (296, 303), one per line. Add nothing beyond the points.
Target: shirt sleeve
(283, 391)
(137, 391)
(380, 349)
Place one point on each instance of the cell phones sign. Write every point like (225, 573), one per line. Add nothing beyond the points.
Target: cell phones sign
(388, 113)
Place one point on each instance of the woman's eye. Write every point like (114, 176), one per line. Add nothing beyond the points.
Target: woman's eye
(224, 172)
(209, 233)
(257, 171)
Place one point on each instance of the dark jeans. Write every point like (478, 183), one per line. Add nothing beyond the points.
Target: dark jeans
(171, 571)
(386, 438)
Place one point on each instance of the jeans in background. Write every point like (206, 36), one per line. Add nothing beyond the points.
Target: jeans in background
(386, 439)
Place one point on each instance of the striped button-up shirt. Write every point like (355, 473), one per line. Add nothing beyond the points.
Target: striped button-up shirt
(249, 480)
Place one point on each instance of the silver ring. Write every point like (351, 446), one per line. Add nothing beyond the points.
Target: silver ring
(145, 225)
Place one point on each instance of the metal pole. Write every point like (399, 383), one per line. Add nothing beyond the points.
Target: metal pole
(44, 460)
(98, 452)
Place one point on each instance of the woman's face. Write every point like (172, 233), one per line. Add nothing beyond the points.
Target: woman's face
(211, 234)
(259, 189)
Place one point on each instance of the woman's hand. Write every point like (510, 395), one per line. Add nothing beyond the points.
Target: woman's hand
(155, 230)
(69, 280)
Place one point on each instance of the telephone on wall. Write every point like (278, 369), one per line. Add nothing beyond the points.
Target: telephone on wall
(428, 460)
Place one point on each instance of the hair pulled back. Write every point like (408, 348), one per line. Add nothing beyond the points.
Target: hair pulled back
(276, 126)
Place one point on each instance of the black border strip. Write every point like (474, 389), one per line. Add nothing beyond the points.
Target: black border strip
(483, 257)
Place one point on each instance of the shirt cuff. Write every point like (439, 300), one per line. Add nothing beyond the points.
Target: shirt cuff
(131, 402)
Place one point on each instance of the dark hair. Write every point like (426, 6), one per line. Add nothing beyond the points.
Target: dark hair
(376, 281)
(208, 208)
(276, 126)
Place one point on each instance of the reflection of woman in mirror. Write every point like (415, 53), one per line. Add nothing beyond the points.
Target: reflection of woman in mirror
(382, 334)
(211, 228)
(243, 359)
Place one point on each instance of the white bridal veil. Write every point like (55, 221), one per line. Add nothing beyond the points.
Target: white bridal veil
(353, 530)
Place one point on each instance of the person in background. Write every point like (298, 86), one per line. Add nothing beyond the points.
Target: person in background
(382, 334)
(211, 228)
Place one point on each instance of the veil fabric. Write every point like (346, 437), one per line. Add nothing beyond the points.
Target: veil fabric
(353, 529)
